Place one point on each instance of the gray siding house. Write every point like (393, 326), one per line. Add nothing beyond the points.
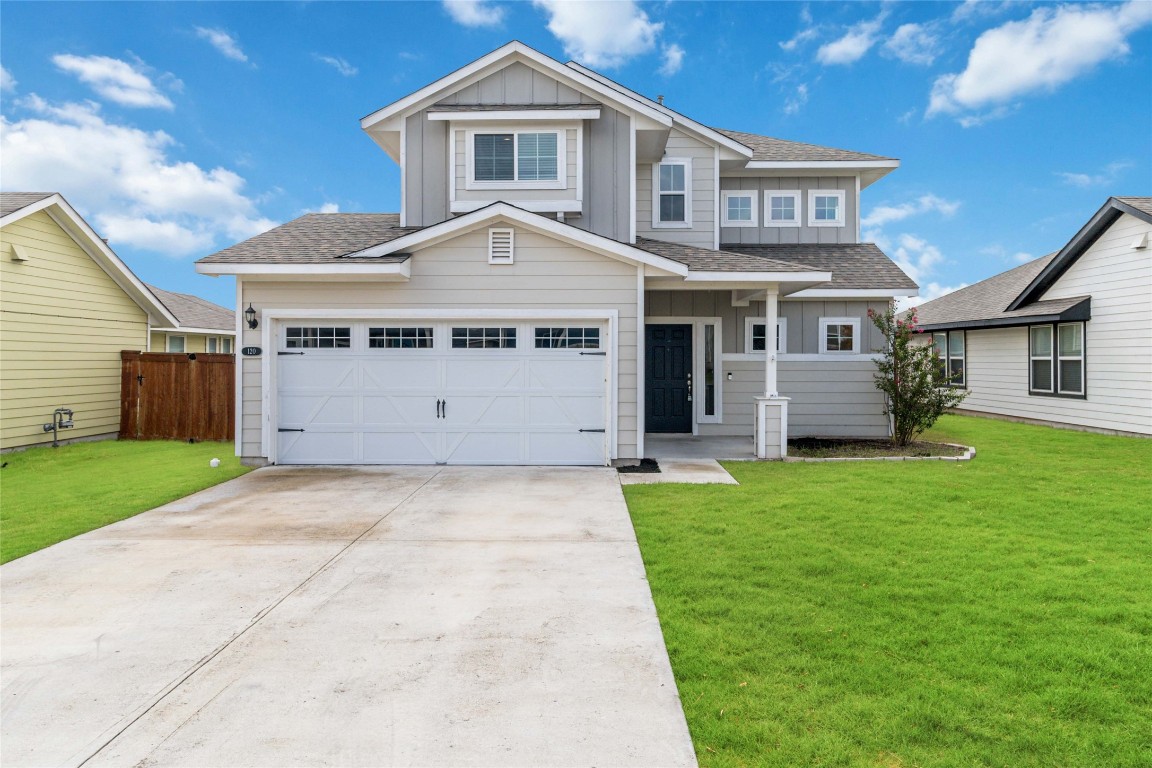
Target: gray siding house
(573, 267)
(1065, 339)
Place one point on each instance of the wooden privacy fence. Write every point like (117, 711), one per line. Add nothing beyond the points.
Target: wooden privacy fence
(177, 396)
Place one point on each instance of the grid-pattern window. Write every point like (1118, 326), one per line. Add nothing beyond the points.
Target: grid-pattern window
(483, 338)
(673, 193)
(839, 334)
(950, 350)
(757, 336)
(318, 337)
(400, 338)
(567, 338)
(494, 155)
(826, 208)
(536, 158)
(739, 208)
(1070, 358)
(783, 209)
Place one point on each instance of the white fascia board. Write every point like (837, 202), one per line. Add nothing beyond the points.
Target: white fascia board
(485, 64)
(821, 164)
(759, 277)
(701, 130)
(854, 293)
(208, 331)
(535, 206)
(84, 236)
(555, 115)
(338, 268)
(446, 230)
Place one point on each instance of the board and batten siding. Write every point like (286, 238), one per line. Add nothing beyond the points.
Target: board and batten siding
(1117, 344)
(460, 133)
(63, 322)
(761, 234)
(546, 275)
(702, 233)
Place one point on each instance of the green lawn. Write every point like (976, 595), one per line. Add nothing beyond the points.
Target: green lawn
(988, 613)
(51, 494)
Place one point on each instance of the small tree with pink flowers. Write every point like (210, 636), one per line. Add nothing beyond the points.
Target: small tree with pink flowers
(910, 376)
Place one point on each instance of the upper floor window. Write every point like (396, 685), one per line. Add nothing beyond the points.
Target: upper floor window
(672, 195)
(738, 208)
(516, 157)
(826, 208)
(839, 335)
(782, 209)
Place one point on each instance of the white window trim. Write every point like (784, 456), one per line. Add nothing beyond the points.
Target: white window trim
(1050, 357)
(561, 181)
(781, 328)
(1058, 378)
(687, 223)
(168, 343)
(727, 193)
(813, 194)
(771, 193)
(822, 341)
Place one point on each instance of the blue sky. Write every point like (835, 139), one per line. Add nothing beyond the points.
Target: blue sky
(178, 129)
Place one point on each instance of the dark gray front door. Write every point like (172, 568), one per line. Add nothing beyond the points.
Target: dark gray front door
(668, 378)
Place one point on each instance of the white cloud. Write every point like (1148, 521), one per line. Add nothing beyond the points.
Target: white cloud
(1041, 53)
(883, 214)
(324, 208)
(223, 42)
(339, 64)
(797, 100)
(1000, 252)
(7, 82)
(1105, 178)
(913, 44)
(474, 13)
(114, 79)
(673, 60)
(856, 42)
(124, 181)
(601, 34)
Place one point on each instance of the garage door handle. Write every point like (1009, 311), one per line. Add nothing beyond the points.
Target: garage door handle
(444, 408)
(289, 430)
(596, 354)
(591, 430)
(289, 353)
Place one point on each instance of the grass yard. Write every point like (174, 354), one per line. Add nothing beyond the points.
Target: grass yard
(996, 612)
(51, 494)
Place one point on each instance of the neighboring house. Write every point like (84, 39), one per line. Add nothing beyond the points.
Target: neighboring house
(1065, 339)
(203, 326)
(573, 266)
(68, 306)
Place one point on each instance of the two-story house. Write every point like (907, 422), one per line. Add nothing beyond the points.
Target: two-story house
(573, 266)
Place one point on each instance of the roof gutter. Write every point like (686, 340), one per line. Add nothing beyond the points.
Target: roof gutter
(1078, 312)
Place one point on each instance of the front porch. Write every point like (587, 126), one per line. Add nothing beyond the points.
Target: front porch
(724, 447)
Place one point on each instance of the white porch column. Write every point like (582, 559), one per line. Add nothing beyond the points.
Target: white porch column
(771, 314)
(771, 409)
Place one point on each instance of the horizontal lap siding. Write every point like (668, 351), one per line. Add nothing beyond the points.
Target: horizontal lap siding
(63, 322)
(546, 275)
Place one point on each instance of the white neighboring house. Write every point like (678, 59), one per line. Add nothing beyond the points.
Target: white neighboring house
(1065, 339)
(573, 267)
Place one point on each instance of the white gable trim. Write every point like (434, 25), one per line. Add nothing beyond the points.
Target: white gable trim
(554, 115)
(446, 230)
(91, 243)
(485, 65)
(818, 164)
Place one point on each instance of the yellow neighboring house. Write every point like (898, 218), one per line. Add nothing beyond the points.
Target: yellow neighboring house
(203, 326)
(68, 305)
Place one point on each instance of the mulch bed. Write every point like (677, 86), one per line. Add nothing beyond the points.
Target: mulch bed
(646, 466)
(821, 448)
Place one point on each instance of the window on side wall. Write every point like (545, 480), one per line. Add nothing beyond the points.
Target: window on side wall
(175, 344)
(782, 208)
(1056, 359)
(738, 208)
(755, 336)
(672, 197)
(517, 157)
(826, 208)
(950, 349)
(212, 344)
(839, 335)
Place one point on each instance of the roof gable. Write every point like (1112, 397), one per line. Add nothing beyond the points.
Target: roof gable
(1113, 209)
(17, 205)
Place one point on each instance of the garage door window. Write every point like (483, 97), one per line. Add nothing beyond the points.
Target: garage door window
(483, 338)
(400, 338)
(323, 337)
(567, 338)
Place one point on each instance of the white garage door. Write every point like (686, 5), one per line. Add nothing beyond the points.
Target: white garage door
(398, 392)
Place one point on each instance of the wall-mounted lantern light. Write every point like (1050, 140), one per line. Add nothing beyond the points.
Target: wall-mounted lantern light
(250, 316)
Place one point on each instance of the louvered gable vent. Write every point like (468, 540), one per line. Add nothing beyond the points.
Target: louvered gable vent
(501, 244)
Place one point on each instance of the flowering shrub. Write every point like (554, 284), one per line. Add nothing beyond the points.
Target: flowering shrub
(909, 375)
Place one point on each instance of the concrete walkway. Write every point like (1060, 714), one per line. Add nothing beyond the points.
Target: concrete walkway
(345, 616)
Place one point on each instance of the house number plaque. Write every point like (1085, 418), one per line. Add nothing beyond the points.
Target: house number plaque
(250, 351)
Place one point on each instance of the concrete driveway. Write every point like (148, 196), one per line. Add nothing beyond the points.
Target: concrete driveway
(345, 616)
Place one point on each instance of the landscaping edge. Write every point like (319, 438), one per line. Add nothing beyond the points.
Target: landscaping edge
(968, 455)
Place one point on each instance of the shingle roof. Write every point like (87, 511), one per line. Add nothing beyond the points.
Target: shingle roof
(988, 300)
(769, 149)
(195, 312)
(10, 202)
(1140, 203)
(854, 266)
(316, 238)
(707, 260)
